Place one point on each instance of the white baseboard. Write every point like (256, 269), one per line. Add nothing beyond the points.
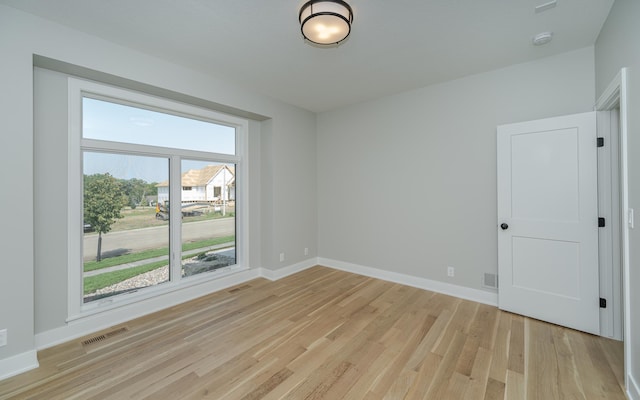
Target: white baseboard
(93, 323)
(18, 364)
(274, 275)
(466, 293)
(633, 389)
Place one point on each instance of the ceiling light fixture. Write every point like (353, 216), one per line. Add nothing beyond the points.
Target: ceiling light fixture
(325, 22)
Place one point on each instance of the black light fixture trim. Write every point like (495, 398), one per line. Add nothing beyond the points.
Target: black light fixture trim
(310, 4)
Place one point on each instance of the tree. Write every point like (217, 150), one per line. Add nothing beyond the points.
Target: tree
(103, 202)
(137, 190)
(134, 189)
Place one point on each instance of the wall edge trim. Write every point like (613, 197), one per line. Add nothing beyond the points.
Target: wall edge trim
(19, 363)
(462, 292)
(274, 275)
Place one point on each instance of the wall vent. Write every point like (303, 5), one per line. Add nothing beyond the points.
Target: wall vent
(490, 280)
(104, 336)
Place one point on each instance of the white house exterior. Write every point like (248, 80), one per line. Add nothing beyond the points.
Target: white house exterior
(211, 184)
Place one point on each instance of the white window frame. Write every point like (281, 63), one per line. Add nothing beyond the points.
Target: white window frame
(77, 89)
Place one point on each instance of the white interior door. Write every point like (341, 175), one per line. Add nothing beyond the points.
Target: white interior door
(548, 221)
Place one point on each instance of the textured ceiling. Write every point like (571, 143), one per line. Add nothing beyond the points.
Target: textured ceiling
(395, 45)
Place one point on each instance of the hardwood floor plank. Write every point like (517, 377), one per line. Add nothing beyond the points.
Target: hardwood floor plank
(515, 386)
(516, 345)
(458, 385)
(479, 375)
(598, 380)
(495, 390)
(371, 374)
(266, 387)
(542, 366)
(328, 334)
(405, 348)
(401, 385)
(425, 376)
(568, 375)
(614, 352)
(428, 342)
(447, 366)
(498, 371)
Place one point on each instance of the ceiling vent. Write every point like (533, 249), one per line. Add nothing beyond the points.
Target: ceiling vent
(546, 6)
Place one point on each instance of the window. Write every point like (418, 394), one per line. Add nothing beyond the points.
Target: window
(156, 198)
(128, 248)
(208, 250)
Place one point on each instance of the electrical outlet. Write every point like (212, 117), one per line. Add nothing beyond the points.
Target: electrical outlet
(306, 251)
(451, 271)
(3, 337)
(281, 257)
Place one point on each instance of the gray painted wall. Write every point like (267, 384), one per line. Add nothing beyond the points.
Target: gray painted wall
(407, 183)
(282, 188)
(50, 198)
(16, 176)
(617, 47)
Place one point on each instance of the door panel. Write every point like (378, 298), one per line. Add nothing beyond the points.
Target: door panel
(550, 191)
(546, 266)
(547, 196)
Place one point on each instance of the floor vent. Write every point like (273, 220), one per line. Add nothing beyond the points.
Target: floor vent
(490, 281)
(104, 336)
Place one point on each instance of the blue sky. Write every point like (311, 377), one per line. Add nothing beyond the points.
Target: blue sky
(115, 122)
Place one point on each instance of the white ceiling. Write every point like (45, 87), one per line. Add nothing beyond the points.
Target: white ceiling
(395, 45)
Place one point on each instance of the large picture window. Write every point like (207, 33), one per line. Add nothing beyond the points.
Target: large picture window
(159, 195)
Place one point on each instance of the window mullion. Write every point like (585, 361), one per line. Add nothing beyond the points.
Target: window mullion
(131, 148)
(175, 218)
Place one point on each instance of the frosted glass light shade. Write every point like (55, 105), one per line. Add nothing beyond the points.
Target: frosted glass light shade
(325, 22)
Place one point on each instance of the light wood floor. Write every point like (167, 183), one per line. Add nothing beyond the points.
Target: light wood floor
(326, 334)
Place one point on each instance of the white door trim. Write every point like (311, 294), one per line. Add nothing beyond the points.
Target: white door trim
(610, 264)
(616, 95)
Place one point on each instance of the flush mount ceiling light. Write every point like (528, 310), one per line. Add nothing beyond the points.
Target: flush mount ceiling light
(325, 22)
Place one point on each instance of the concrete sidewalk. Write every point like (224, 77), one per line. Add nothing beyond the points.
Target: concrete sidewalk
(120, 267)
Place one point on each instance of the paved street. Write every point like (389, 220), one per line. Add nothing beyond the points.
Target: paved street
(151, 238)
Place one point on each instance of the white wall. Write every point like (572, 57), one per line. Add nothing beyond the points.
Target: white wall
(437, 145)
(288, 182)
(617, 47)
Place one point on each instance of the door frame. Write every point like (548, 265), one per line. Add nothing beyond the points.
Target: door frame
(609, 207)
(615, 95)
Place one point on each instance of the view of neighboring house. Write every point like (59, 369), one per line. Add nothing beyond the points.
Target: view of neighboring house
(212, 183)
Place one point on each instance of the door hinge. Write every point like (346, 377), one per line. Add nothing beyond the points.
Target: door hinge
(601, 222)
(603, 303)
(600, 142)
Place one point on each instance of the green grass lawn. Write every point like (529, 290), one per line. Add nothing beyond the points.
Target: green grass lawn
(143, 255)
(93, 283)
